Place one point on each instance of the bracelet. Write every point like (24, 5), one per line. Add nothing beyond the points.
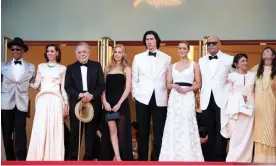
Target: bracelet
(173, 86)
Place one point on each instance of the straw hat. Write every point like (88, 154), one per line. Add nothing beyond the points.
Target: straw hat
(84, 112)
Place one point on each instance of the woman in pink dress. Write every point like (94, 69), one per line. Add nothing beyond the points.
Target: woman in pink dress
(47, 139)
(237, 115)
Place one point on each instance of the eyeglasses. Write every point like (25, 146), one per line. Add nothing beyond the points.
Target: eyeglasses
(211, 43)
(15, 49)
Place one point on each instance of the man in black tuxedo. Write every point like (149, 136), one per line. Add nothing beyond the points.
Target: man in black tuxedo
(84, 80)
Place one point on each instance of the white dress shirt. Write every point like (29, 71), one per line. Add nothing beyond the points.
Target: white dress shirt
(84, 78)
(213, 65)
(17, 69)
(152, 62)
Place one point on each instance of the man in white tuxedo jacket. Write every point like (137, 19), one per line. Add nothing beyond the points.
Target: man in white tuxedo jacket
(215, 68)
(150, 93)
(16, 76)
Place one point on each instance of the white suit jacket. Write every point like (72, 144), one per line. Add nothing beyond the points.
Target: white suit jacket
(214, 81)
(16, 92)
(145, 81)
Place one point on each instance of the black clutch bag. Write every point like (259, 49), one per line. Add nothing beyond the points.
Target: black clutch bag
(112, 115)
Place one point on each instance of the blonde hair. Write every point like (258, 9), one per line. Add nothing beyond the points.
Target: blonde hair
(124, 62)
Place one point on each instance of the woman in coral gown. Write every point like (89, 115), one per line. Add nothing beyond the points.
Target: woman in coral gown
(51, 105)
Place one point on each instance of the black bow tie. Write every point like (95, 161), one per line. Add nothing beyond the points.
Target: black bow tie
(213, 57)
(152, 54)
(18, 62)
(86, 65)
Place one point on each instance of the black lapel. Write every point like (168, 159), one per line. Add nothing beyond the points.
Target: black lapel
(89, 72)
(77, 75)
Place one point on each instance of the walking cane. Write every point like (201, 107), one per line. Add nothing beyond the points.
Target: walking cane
(79, 141)
(79, 134)
(85, 113)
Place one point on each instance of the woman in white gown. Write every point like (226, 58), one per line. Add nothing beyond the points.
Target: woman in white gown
(51, 105)
(181, 141)
(237, 114)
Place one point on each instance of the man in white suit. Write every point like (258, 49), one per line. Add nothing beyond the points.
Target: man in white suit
(215, 68)
(16, 76)
(150, 93)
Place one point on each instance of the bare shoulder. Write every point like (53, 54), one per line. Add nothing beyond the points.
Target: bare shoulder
(127, 70)
(196, 66)
(106, 68)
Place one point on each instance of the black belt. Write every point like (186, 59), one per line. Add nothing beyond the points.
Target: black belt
(183, 84)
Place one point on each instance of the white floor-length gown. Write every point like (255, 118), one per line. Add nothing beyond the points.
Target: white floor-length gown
(181, 141)
(47, 139)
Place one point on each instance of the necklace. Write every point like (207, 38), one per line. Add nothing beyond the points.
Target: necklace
(264, 77)
(263, 84)
(52, 65)
(185, 61)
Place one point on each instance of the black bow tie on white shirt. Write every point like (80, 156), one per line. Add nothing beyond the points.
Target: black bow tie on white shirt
(18, 62)
(213, 57)
(152, 54)
(86, 65)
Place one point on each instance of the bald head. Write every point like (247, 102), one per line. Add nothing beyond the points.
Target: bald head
(213, 39)
(213, 45)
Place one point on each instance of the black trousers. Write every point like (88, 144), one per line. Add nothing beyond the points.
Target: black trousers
(90, 136)
(14, 121)
(143, 115)
(216, 145)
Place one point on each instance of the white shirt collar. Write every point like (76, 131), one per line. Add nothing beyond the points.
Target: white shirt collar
(153, 51)
(22, 61)
(219, 53)
(17, 60)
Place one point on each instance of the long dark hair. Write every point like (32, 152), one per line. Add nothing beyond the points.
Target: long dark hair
(260, 70)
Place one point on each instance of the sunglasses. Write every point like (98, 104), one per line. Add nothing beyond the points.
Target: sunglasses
(211, 43)
(15, 49)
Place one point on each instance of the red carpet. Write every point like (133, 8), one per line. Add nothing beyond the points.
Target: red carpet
(109, 163)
